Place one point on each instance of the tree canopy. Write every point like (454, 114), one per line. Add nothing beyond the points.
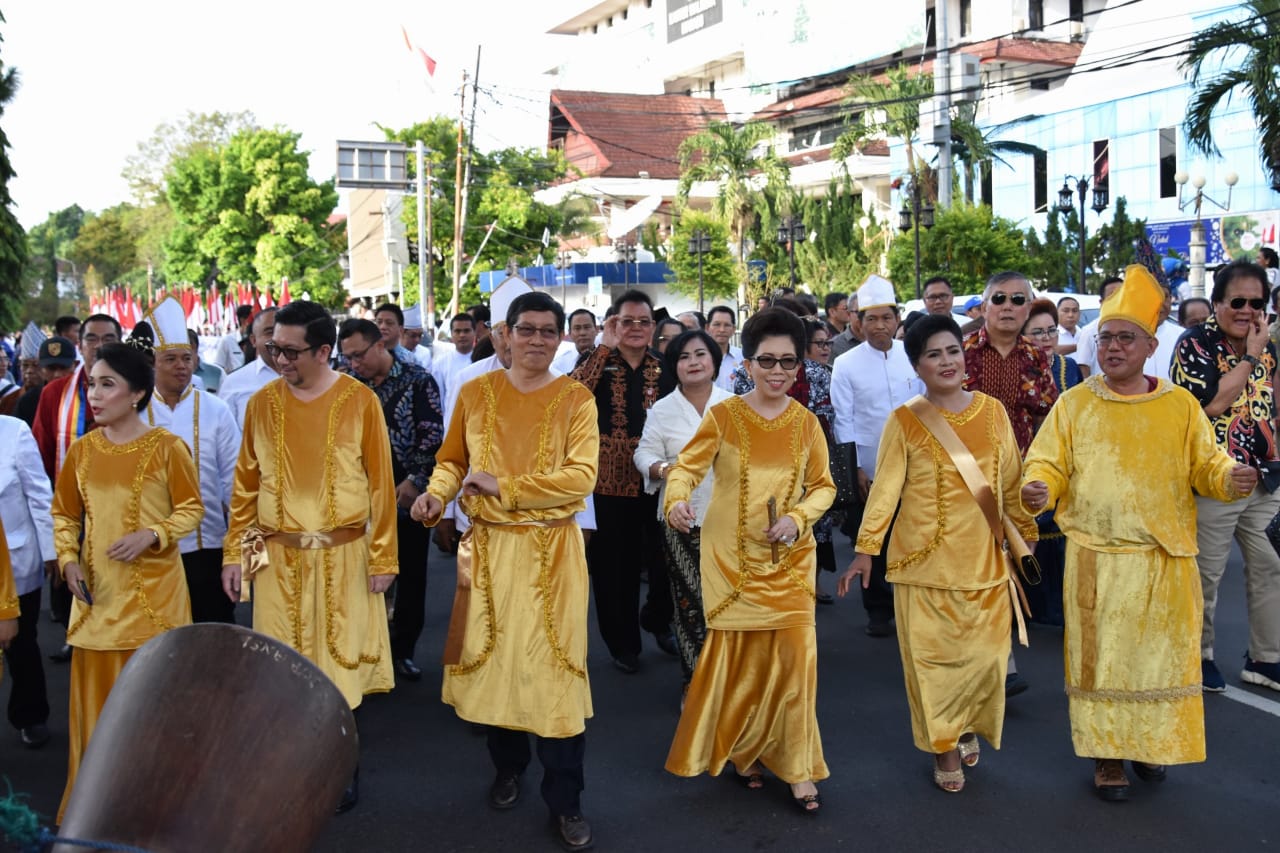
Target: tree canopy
(967, 244)
(13, 240)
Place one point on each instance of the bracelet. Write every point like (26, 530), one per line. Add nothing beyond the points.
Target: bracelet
(1252, 359)
(154, 535)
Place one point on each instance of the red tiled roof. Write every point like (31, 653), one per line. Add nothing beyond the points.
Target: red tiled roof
(873, 148)
(631, 133)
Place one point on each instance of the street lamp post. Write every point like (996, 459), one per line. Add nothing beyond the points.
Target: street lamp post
(563, 263)
(699, 244)
(1065, 205)
(913, 218)
(626, 253)
(1197, 246)
(790, 232)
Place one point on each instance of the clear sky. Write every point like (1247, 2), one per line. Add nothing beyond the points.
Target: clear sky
(97, 77)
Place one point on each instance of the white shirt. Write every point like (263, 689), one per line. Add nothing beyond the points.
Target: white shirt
(668, 426)
(447, 367)
(25, 501)
(1086, 354)
(1066, 337)
(228, 354)
(238, 387)
(567, 360)
(728, 364)
(422, 355)
(866, 386)
(1167, 335)
(215, 457)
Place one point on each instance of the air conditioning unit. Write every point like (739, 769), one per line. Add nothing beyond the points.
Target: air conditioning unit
(966, 78)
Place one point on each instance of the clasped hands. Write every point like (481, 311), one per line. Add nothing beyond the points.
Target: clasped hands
(784, 530)
(477, 483)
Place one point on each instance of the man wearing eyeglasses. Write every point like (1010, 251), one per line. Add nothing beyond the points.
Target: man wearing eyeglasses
(1229, 364)
(1087, 335)
(867, 383)
(721, 324)
(415, 425)
(938, 296)
(623, 374)
(238, 387)
(313, 514)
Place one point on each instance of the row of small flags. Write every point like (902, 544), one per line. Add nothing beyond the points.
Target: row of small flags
(213, 308)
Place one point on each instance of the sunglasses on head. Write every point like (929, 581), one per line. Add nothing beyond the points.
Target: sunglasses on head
(1239, 302)
(998, 298)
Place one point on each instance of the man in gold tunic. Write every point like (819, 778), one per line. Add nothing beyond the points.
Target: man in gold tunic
(521, 453)
(313, 513)
(1132, 588)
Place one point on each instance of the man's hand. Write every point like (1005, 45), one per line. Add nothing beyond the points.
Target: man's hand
(610, 336)
(861, 565)
(1256, 343)
(446, 536)
(380, 583)
(128, 548)
(681, 516)
(864, 485)
(426, 507)
(406, 494)
(1035, 495)
(1244, 478)
(231, 581)
(8, 630)
(481, 483)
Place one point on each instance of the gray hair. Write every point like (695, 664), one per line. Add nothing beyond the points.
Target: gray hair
(1004, 277)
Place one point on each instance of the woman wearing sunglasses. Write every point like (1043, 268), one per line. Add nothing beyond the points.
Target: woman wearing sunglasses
(752, 700)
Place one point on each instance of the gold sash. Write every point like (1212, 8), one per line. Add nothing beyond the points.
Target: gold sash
(462, 592)
(1001, 528)
(253, 545)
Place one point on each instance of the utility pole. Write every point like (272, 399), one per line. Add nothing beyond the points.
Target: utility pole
(458, 213)
(942, 102)
(426, 292)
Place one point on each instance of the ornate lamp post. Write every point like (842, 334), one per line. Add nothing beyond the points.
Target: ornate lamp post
(918, 215)
(699, 244)
(626, 253)
(564, 263)
(790, 232)
(1197, 247)
(1065, 205)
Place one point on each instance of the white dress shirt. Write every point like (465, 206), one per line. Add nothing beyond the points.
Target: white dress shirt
(728, 364)
(566, 360)
(448, 367)
(1086, 354)
(1167, 335)
(1066, 337)
(228, 354)
(25, 501)
(215, 457)
(866, 386)
(668, 426)
(238, 387)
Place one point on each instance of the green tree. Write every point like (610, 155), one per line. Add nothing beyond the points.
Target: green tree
(1113, 246)
(47, 242)
(891, 109)
(1049, 265)
(976, 151)
(13, 240)
(967, 244)
(248, 211)
(839, 253)
(1238, 56)
(719, 273)
(146, 170)
(107, 243)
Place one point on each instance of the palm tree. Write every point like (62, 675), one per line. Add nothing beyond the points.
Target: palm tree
(13, 240)
(892, 111)
(975, 148)
(1255, 41)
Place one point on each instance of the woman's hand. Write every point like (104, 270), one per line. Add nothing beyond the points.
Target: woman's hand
(380, 583)
(74, 576)
(425, 507)
(784, 530)
(1035, 495)
(128, 548)
(861, 565)
(8, 630)
(681, 516)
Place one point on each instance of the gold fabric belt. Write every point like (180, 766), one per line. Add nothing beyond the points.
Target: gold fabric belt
(253, 544)
(462, 593)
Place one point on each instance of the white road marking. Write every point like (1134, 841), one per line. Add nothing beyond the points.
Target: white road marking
(1253, 700)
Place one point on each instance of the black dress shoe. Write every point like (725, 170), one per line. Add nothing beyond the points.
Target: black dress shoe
(351, 796)
(880, 626)
(1150, 772)
(505, 790)
(62, 655)
(408, 670)
(667, 642)
(630, 664)
(1014, 684)
(574, 832)
(34, 737)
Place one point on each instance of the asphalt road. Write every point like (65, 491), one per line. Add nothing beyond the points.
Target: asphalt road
(425, 774)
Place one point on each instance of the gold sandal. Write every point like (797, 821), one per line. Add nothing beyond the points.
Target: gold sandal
(951, 781)
(970, 751)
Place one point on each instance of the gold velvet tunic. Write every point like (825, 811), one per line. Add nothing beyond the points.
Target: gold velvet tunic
(523, 662)
(951, 582)
(753, 693)
(1121, 470)
(309, 467)
(9, 608)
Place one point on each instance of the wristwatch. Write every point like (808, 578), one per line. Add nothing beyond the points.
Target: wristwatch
(1252, 359)
(662, 470)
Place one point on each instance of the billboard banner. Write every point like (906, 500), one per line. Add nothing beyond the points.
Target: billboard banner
(1229, 237)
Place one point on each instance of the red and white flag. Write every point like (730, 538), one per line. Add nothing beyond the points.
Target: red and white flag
(285, 298)
(428, 63)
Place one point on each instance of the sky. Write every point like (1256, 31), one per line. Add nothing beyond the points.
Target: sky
(98, 78)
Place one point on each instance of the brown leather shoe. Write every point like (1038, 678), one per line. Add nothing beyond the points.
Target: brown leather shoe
(1109, 780)
(575, 832)
(505, 791)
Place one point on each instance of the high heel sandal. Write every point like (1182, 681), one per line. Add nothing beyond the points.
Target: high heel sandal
(753, 779)
(807, 803)
(970, 750)
(951, 781)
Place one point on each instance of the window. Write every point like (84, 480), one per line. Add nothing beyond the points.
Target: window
(1168, 161)
(1076, 11)
(1041, 182)
(820, 135)
(930, 33)
(1101, 163)
(984, 174)
(966, 17)
(1035, 14)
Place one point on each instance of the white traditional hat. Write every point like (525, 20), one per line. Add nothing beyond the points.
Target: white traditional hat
(876, 292)
(169, 322)
(503, 295)
(413, 318)
(32, 338)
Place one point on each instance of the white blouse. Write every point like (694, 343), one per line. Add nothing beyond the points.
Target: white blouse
(668, 426)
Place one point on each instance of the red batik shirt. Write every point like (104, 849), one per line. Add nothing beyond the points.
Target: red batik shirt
(1022, 381)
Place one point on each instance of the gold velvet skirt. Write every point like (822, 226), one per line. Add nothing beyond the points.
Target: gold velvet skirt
(93, 674)
(955, 652)
(1133, 655)
(753, 698)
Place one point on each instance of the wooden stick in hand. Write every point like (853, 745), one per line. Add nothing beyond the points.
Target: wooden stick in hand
(773, 519)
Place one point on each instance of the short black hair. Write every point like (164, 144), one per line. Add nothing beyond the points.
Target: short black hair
(481, 313)
(134, 368)
(787, 303)
(482, 350)
(104, 318)
(722, 309)
(937, 279)
(809, 303)
(314, 319)
(812, 325)
(633, 295)
(359, 326)
(393, 308)
(772, 322)
(1187, 303)
(833, 300)
(63, 323)
(669, 321)
(535, 301)
(1068, 298)
(586, 311)
(1272, 258)
(464, 317)
(243, 312)
(194, 340)
(1107, 282)
(682, 340)
(862, 312)
(1238, 269)
(924, 328)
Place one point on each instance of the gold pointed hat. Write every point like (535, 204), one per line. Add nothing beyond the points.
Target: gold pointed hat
(169, 322)
(1139, 300)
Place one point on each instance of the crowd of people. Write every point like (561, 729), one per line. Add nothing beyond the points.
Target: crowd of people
(989, 465)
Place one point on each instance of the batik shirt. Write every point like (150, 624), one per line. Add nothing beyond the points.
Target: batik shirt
(1021, 381)
(623, 395)
(1246, 429)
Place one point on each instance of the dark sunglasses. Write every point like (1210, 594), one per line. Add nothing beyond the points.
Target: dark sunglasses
(1239, 302)
(998, 298)
(769, 362)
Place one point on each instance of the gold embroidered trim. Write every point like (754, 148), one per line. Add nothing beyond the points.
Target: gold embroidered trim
(195, 452)
(1161, 694)
(941, 507)
(10, 604)
(868, 545)
(481, 581)
(965, 415)
(733, 406)
(543, 536)
(1098, 385)
(785, 419)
